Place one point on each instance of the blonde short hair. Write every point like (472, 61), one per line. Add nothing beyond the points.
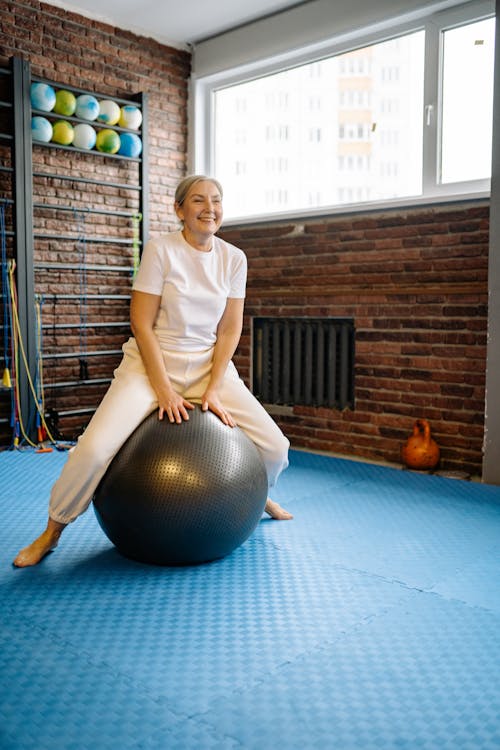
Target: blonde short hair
(187, 183)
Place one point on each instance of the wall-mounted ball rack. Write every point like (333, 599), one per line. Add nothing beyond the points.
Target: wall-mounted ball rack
(76, 220)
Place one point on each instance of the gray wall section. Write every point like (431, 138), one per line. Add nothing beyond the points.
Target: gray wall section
(491, 463)
(309, 24)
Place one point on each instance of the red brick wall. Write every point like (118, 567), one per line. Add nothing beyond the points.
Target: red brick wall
(415, 282)
(89, 55)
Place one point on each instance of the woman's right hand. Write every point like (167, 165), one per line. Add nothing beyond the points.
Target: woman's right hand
(174, 407)
(143, 312)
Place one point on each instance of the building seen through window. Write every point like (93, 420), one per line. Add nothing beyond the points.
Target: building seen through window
(351, 127)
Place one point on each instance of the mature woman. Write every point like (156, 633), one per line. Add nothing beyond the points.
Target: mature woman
(186, 317)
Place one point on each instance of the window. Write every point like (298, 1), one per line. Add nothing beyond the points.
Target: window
(468, 60)
(407, 118)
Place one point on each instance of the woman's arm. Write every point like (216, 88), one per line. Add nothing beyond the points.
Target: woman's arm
(228, 336)
(143, 311)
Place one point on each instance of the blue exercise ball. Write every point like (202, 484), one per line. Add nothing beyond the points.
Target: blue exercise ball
(87, 107)
(41, 129)
(43, 96)
(182, 494)
(130, 145)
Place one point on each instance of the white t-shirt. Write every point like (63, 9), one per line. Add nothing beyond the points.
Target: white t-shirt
(194, 287)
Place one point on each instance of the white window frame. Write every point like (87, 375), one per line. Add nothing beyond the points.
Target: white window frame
(202, 156)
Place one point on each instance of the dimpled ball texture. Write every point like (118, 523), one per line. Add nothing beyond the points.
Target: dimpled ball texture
(182, 494)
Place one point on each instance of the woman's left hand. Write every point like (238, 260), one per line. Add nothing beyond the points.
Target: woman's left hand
(210, 400)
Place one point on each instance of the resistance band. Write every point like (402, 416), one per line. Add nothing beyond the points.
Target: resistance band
(18, 348)
(6, 378)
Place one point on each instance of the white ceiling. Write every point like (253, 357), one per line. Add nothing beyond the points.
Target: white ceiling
(176, 22)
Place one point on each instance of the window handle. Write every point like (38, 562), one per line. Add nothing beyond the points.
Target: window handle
(428, 109)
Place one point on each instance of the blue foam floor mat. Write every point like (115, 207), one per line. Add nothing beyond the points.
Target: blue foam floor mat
(372, 620)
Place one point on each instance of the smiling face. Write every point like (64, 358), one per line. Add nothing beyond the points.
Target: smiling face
(201, 212)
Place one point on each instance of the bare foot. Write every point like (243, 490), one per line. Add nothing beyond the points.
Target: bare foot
(276, 511)
(37, 550)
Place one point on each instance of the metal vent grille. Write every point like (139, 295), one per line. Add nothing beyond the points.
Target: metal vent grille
(304, 361)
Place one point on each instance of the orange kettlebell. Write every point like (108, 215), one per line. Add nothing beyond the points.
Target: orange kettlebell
(420, 451)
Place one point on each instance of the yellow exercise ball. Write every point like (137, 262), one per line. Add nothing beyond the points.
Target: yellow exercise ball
(65, 103)
(63, 133)
(108, 141)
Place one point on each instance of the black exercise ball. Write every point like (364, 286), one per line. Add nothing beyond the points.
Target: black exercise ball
(181, 494)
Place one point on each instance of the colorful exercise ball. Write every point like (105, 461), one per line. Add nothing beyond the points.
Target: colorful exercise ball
(65, 103)
(42, 97)
(130, 145)
(87, 107)
(84, 136)
(41, 129)
(109, 112)
(130, 117)
(63, 133)
(108, 141)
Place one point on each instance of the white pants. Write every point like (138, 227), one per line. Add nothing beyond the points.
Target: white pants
(131, 398)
